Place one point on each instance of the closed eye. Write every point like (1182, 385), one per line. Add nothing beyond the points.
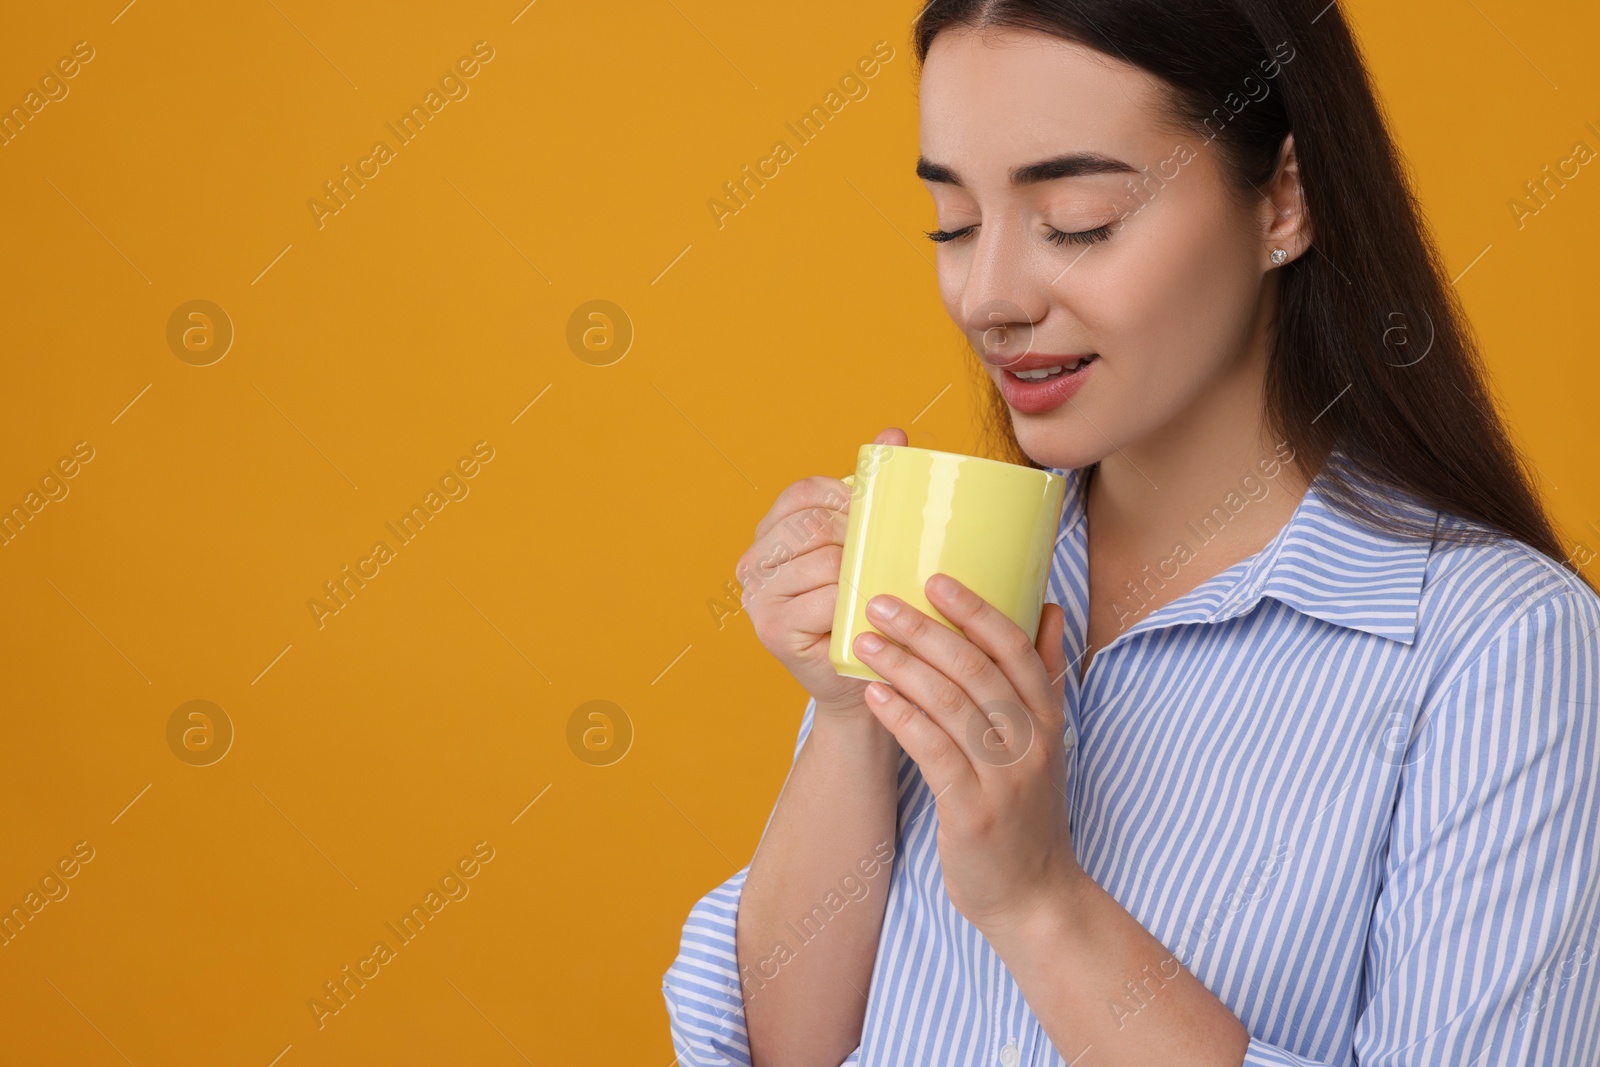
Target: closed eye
(1083, 237)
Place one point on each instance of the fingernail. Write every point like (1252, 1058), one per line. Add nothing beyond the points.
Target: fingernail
(943, 585)
(869, 643)
(883, 606)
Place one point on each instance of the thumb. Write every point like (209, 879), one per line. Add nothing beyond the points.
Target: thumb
(1052, 626)
(892, 436)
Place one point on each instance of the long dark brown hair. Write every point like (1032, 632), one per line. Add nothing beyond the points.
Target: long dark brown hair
(1371, 361)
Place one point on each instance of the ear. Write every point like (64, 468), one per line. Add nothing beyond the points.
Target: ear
(1284, 222)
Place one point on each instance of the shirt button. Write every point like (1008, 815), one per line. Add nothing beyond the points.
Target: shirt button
(1008, 1055)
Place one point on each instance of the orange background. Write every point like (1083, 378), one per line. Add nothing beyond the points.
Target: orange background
(432, 711)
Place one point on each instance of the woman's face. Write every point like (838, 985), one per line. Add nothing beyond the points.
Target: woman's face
(1170, 302)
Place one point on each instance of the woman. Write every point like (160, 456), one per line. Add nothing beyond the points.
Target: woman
(1306, 769)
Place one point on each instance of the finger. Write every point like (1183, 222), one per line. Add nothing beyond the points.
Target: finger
(943, 763)
(809, 502)
(811, 615)
(1006, 643)
(804, 531)
(988, 726)
(781, 576)
(957, 683)
(810, 533)
(817, 491)
(1053, 653)
(892, 436)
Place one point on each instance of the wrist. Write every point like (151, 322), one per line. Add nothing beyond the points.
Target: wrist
(846, 715)
(855, 728)
(1058, 916)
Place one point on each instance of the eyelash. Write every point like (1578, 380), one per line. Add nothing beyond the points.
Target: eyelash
(1083, 237)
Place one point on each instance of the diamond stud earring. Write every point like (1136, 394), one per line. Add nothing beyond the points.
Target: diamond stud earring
(1279, 256)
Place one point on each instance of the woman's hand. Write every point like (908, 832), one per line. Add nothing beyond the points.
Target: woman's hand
(790, 579)
(989, 742)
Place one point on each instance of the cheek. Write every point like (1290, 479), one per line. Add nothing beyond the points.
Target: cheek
(1169, 311)
(1181, 298)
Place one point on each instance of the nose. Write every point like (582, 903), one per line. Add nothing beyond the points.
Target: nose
(1003, 295)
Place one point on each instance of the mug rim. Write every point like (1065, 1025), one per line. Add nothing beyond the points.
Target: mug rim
(1047, 471)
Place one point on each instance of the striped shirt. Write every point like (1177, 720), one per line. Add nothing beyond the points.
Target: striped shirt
(1352, 783)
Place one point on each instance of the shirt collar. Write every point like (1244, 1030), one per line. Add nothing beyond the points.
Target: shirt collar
(1322, 563)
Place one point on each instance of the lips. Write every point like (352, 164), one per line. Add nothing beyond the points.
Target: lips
(1036, 397)
(1036, 362)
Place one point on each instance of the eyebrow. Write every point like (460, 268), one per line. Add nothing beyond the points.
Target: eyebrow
(1069, 165)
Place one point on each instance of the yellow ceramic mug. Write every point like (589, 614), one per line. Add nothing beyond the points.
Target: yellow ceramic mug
(915, 512)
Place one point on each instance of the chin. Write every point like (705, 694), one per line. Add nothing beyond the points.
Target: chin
(1059, 446)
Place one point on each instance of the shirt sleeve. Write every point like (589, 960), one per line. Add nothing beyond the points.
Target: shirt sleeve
(1483, 948)
(705, 1004)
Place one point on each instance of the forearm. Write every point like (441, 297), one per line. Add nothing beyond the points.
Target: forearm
(805, 966)
(1096, 978)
